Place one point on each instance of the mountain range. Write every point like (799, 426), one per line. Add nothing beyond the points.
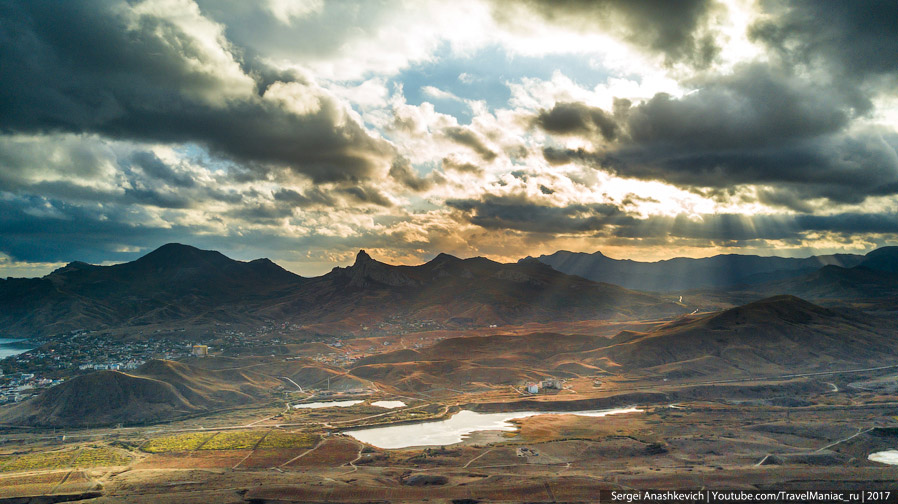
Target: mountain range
(191, 287)
(183, 285)
(717, 272)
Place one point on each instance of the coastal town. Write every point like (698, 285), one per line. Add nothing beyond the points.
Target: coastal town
(43, 362)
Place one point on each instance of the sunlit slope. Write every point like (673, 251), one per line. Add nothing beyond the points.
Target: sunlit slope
(775, 336)
(778, 334)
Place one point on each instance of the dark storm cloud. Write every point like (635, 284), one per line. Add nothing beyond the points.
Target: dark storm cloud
(756, 106)
(402, 172)
(520, 214)
(471, 140)
(89, 170)
(760, 125)
(261, 213)
(37, 229)
(89, 67)
(670, 28)
(364, 194)
(156, 168)
(284, 201)
(853, 39)
(577, 118)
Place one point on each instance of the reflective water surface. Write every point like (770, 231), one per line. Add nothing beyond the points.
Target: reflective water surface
(455, 428)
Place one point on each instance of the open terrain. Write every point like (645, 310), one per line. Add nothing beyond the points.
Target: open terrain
(738, 436)
(776, 393)
(809, 409)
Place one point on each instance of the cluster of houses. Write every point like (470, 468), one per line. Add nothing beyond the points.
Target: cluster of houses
(113, 366)
(20, 386)
(549, 383)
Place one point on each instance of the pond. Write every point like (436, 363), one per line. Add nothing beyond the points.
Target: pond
(886, 457)
(388, 404)
(456, 428)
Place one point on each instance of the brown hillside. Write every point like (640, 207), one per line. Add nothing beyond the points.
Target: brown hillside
(775, 334)
(105, 397)
(158, 391)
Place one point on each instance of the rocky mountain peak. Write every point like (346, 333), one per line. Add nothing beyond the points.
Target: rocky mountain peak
(362, 257)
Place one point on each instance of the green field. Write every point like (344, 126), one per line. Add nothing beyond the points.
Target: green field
(234, 440)
(102, 457)
(281, 439)
(229, 440)
(87, 457)
(180, 442)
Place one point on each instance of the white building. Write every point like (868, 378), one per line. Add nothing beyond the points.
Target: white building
(533, 388)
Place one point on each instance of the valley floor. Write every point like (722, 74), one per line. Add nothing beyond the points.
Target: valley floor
(751, 439)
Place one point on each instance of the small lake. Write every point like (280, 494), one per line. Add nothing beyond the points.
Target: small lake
(388, 404)
(886, 457)
(328, 404)
(10, 347)
(456, 428)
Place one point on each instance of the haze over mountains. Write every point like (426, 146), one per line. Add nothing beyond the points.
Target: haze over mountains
(683, 273)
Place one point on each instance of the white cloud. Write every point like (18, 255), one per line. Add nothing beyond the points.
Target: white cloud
(202, 45)
(296, 97)
(287, 10)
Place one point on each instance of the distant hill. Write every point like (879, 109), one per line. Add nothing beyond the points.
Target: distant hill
(882, 259)
(778, 334)
(875, 279)
(179, 284)
(171, 284)
(774, 336)
(159, 390)
(721, 271)
(835, 283)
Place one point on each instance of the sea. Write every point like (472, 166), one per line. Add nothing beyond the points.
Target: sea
(10, 347)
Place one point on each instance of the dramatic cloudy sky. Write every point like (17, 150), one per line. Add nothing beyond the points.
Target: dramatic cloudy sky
(303, 130)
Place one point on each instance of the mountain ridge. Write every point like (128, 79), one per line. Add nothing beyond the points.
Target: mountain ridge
(183, 284)
(682, 273)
